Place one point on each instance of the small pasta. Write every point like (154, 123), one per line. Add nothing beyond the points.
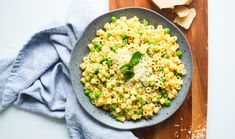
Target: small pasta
(133, 69)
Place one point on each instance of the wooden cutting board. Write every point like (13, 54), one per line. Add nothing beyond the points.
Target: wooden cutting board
(190, 120)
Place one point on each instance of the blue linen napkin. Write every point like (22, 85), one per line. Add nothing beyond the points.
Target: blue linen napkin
(38, 79)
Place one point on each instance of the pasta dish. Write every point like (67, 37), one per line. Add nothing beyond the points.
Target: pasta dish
(133, 69)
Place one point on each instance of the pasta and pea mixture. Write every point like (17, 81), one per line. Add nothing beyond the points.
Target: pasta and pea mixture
(133, 68)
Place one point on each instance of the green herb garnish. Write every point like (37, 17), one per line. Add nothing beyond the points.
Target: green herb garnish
(124, 68)
(127, 69)
(128, 74)
(135, 59)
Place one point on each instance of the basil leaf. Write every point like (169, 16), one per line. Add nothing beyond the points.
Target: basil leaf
(128, 74)
(124, 68)
(135, 58)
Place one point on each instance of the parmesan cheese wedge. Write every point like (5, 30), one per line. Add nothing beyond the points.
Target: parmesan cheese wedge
(181, 11)
(162, 4)
(186, 22)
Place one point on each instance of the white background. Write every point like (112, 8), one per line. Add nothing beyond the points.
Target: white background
(19, 19)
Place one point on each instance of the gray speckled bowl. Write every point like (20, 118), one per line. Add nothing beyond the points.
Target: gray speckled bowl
(81, 50)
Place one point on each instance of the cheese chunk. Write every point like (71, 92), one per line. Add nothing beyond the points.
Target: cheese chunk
(182, 11)
(185, 22)
(162, 4)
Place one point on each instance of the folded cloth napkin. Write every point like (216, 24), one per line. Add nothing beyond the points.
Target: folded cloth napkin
(38, 79)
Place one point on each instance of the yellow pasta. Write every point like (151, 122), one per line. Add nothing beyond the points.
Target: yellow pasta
(133, 69)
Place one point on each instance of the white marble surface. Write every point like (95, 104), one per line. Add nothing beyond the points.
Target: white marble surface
(221, 111)
(20, 19)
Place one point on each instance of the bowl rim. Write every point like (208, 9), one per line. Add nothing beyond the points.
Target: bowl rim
(189, 81)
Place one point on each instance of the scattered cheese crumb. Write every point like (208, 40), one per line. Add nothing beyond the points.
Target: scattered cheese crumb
(176, 134)
(162, 4)
(186, 21)
(181, 11)
(198, 132)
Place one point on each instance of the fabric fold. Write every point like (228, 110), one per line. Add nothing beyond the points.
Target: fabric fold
(39, 81)
(38, 78)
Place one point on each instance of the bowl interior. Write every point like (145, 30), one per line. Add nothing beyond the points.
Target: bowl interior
(81, 50)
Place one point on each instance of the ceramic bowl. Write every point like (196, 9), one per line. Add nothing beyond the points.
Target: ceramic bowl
(81, 50)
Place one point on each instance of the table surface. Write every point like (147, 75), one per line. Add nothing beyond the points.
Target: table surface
(30, 18)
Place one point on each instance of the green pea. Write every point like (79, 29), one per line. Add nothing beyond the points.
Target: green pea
(121, 113)
(85, 84)
(118, 84)
(117, 119)
(148, 49)
(92, 48)
(142, 102)
(167, 103)
(96, 71)
(167, 30)
(124, 42)
(158, 99)
(109, 35)
(113, 19)
(152, 42)
(108, 76)
(99, 47)
(166, 56)
(138, 98)
(104, 58)
(91, 75)
(152, 84)
(145, 22)
(92, 96)
(123, 35)
(138, 111)
(104, 84)
(109, 62)
(163, 79)
(127, 110)
(114, 106)
(179, 53)
(177, 74)
(96, 43)
(165, 95)
(163, 91)
(111, 114)
(121, 95)
(161, 68)
(87, 91)
(97, 94)
(114, 49)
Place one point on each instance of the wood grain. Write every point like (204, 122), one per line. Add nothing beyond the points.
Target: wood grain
(191, 117)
